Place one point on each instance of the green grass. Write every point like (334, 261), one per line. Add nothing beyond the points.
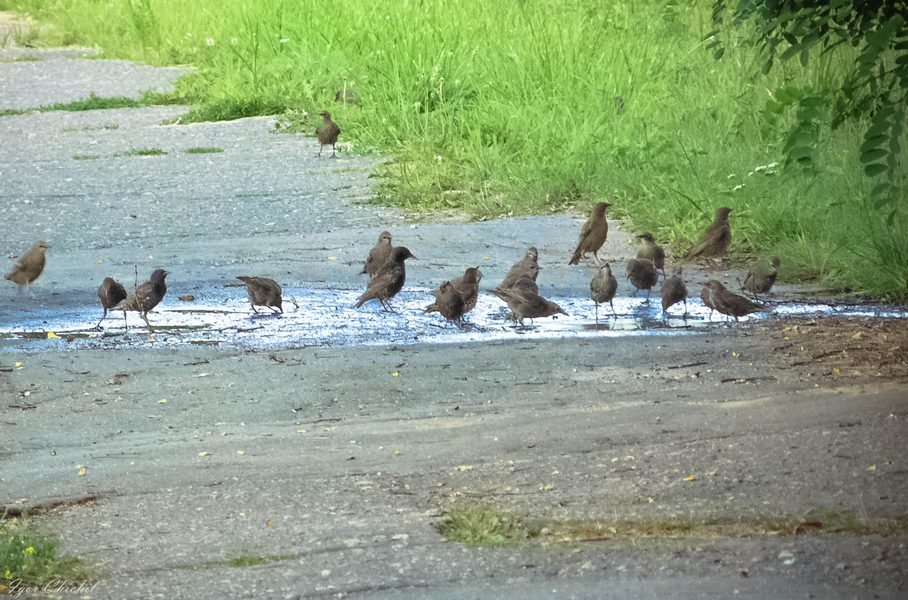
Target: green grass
(86, 156)
(523, 119)
(141, 152)
(483, 526)
(203, 150)
(29, 558)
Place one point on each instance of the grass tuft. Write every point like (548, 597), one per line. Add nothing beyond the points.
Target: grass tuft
(86, 156)
(203, 150)
(141, 152)
(29, 558)
(483, 526)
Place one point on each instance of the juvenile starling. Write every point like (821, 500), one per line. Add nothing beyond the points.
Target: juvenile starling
(110, 293)
(378, 255)
(674, 291)
(730, 303)
(603, 287)
(528, 266)
(468, 287)
(29, 267)
(448, 302)
(525, 284)
(147, 296)
(706, 296)
(593, 234)
(527, 305)
(263, 291)
(389, 279)
(715, 239)
(347, 96)
(652, 251)
(761, 276)
(327, 133)
(642, 274)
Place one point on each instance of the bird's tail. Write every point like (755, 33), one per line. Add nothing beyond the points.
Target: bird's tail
(576, 256)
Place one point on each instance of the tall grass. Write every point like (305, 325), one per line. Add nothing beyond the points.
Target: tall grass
(525, 106)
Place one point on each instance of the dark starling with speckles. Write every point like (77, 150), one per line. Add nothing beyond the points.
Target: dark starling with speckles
(651, 250)
(468, 287)
(716, 239)
(111, 292)
(674, 291)
(642, 273)
(603, 287)
(263, 291)
(378, 255)
(730, 303)
(327, 133)
(528, 266)
(593, 234)
(148, 295)
(29, 267)
(389, 279)
(527, 305)
(761, 276)
(706, 296)
(448, 302)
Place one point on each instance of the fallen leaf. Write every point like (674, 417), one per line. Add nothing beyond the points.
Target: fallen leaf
(82, 471)
(649, 499)
(186, 298)
(836, 371)
(463, 468)
(690, 478)
(397, 453)
(547, 487)
(395, 374)
(241, 452)
(52, 336)
(203, 454)
(871, 468)
(17, 364)
(162, 401)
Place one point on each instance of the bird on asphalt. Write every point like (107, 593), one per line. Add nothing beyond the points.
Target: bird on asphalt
(263, 291)
(29, 267)
(603, 287)
(715, 239)
(642, 274)
(593, 234)
(706, 296)
(327, 133)
(652, 251)
(761, 276)
(674, 291)
(389, 279)
(378, 255)
(528, 266)
(527, 305)
(730, 303)
(468, 287)
(448, 302)
(146, 296)
(111, 292)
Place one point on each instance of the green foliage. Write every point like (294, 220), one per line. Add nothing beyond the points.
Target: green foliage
(141, 152)
(203, 150)
(483, 526)
(29, 558)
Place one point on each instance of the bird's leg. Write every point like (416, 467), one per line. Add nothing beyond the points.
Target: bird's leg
(98, 326)
(145, 318)
(648, 292)
(253, 308)
(276, 310)
(320, 150)
(597, 314)
(596, 256)
(614, 314)
(125, 321)
(333, 152)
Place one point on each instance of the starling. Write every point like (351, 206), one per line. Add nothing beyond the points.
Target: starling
(347, 96)
(327, 133)
(716, 239)
(603, 287)
(593, 234)
(528, 266)
(707, 297)
(730, 303)
(448, 302)
(468, 287)
(110, 293)
(30, 266)
(263, 291)
(642, 274)
(651, 250)
(527, 305)
(147, 296)
(377, 255)
(674, 291)
(525, 284)
(761, 276)
(389, 279)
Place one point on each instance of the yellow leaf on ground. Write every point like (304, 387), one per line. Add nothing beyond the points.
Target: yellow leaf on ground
(52, 336)
(241, 452)
(463, 468)
(82, 471)
(649, 499)
(162, 401)
(690, 478)
(395, 374)
(204, 454)
(871, 468)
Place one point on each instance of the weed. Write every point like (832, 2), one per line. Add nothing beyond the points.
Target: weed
(141, 152)
(29, 558)
(86, 156)
(203, 150)
(483, 526)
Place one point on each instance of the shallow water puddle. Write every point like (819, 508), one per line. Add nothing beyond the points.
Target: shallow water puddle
(327, 317)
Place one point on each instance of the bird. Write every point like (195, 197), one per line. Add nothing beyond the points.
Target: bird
(347, 96)
(468, 287)
(642, 274)
(674, 291)
(761, 276)
(389, 279)
(377, 255)
(524, 283)
(715, 239)
(30, 266)
(651, 250)
(707, 297)
(730, 303)
(603, 287)
(327, 133)
(263, 291)
(527, 305)
(593, 234)
(147, 296)
(111, 292)
(448, 302)
(528, 266)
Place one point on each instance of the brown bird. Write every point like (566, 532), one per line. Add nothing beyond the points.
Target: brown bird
(347, 96)
(110, 293)
(715, 239)
(527, 305)
(707, 297)
(730, 303)
(603, 287)
(761, 276)
(642, 274)
(263, 291)
(593, 234)
(389, 279)
(674, 291)
(327, 133)
(378, 255)
(448, 302)
(29, 267)
(468, 287)
(652, 251)
(525, 284)
(147, 296)
(528, 266)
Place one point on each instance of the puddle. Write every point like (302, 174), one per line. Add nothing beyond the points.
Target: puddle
(327, 317)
